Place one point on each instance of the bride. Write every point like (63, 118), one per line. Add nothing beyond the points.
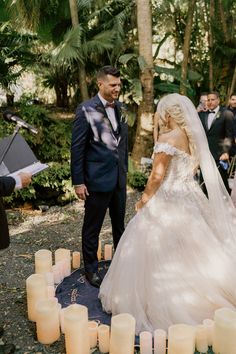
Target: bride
(175, 262)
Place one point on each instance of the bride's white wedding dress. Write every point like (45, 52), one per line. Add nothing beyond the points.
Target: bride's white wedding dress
(170, 267)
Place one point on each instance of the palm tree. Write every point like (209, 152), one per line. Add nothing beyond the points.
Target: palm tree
(186, 46)
(91, 38)
(16, 56)
(143, 141)
(82, 73)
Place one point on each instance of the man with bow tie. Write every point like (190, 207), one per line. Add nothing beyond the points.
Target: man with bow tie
(218, 125)
(99, 165)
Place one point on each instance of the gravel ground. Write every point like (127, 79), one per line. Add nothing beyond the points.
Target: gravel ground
(59, 227)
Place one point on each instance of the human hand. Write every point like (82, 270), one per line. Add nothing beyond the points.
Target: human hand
(139, 205)
(81, 191)
(224, 156)
(25, 178)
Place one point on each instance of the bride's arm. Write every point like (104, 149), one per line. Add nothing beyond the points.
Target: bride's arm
(160, 164)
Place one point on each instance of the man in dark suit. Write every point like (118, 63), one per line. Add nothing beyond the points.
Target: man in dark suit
(7, 186)
(99, 164)
(218, 125)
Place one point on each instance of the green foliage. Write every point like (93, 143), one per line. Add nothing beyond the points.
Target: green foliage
(137, 180)
(52, 143)
(52, 186)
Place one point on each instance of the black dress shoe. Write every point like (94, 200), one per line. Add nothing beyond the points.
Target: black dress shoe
(7, 349)
(93, 279)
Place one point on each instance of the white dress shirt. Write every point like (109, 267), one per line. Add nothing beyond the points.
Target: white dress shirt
(110, 112)
(211, 116)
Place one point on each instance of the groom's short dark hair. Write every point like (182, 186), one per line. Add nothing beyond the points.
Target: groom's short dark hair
(108, 70)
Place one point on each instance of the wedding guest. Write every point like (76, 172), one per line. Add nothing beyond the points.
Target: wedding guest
(218, 125)
(202, 106)
(232, 108)
(99, 164)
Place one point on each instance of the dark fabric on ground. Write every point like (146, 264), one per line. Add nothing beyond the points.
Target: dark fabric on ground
(75, 289)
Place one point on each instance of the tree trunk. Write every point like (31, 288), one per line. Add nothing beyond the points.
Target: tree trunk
(144, 138)
(210, 41)
(224, 23)
(186, 46)
(82, 73)
(233, 82)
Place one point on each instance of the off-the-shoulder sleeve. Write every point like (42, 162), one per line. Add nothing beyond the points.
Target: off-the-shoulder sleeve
(165, 147)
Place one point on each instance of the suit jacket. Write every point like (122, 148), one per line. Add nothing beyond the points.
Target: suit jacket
(99, 155)
(7, 185)
(222, 128)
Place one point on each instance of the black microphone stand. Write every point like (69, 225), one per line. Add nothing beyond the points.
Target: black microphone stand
(16, 130)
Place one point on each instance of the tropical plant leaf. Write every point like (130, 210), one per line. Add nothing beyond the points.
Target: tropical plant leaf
(125, 58)
(70, 49)
(99, 43)
(136, 89)
(167, 87)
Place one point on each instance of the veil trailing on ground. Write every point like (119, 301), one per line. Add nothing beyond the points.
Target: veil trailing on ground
(221, 205)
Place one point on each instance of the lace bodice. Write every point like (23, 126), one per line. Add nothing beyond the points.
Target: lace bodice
(180, 170)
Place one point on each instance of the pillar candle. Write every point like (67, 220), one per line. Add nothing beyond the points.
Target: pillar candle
(76, 260)
(104, 338)
(57, 273)
(76, 329)
(36, 289)
(49, 278)
(224, 334)
(159, 341)
(47, 323)
(99, 251)
(201, 338)
(122, 334)
(145, 339)
(93, 333)
(107, 252)
(63, 255)
(181, 339)
(209, 324)
(61, 319)
(51, 291)
(43, 261)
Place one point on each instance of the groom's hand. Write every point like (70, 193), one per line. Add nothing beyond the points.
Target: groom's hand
(81, 191)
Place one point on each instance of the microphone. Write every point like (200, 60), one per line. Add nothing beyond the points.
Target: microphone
(10, 116)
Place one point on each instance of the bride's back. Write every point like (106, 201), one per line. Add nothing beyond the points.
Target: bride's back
(177, 138)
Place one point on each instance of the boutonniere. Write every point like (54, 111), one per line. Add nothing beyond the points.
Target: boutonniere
(124, 114)
(217, 115)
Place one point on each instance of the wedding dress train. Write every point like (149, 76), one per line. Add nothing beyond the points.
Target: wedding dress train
(170, 265)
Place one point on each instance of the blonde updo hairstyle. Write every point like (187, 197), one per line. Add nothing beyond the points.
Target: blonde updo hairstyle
(168, 106)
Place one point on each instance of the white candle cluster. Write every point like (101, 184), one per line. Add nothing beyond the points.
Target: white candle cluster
(81, 335)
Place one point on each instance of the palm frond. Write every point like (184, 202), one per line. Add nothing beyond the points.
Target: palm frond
(69, 49)
(99, 43)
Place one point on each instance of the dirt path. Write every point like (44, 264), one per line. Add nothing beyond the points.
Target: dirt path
(58, 227)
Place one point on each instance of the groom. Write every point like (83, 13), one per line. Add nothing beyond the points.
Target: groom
(99, 164)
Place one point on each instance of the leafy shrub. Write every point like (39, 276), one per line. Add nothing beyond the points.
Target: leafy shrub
(52, 186)
(52, 143)
(137, 180)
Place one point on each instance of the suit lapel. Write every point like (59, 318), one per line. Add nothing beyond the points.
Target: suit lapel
(100, 108)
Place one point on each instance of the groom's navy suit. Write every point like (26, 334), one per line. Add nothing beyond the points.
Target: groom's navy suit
(99, 159)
